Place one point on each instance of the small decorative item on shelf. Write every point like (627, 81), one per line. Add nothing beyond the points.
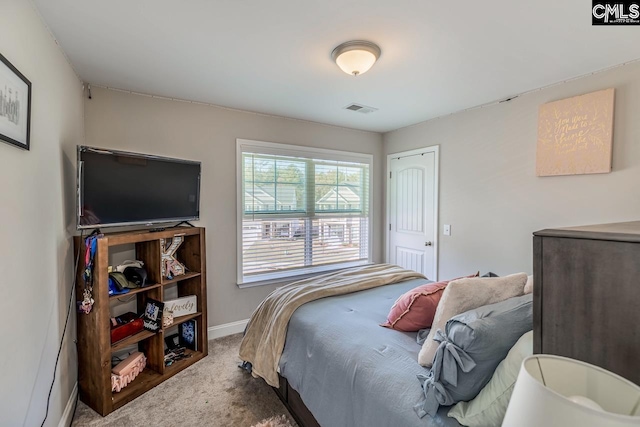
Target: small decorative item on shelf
(153, 315)
(126, 371)
(188, 334)
(171, 267)
(182, 306)
(167, 318)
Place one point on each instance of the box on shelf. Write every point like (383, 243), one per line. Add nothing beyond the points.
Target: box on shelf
(124, 326)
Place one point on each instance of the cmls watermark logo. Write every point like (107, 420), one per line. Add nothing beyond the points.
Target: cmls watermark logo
(615, 13)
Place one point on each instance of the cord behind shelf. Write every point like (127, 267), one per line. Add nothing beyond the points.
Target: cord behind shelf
(64, 330)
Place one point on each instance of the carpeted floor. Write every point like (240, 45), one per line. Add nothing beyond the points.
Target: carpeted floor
(213, 392)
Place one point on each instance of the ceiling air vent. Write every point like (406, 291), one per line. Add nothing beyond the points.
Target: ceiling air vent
(360, 108)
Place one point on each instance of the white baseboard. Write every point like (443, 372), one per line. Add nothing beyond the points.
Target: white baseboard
(226, 329)
(67, 415)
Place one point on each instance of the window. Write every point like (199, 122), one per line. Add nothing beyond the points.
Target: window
(301, 210)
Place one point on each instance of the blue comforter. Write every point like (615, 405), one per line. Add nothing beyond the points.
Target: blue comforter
(351, 372)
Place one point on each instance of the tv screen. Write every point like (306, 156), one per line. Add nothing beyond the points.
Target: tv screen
(119, 188)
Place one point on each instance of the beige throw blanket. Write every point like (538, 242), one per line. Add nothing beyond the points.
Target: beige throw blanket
(264, 338)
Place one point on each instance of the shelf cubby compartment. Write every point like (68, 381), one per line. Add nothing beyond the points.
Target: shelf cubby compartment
(145, 380)
(131, 340)
(181, 278)
(181, 364)
(136, 291)
(182, 319)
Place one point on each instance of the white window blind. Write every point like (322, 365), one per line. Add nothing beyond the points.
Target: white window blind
(303, 210)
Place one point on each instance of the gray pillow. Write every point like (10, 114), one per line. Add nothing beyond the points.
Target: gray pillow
(474, 344)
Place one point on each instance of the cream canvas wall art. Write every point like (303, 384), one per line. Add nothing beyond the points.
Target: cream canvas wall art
(575, 135)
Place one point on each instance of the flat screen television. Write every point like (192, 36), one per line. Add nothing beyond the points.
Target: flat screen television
(117, 188)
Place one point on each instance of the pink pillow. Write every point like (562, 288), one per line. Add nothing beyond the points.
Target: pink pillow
(415, 309)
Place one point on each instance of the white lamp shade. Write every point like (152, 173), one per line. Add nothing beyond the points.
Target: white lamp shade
(356, 62)
(546, 385)
(356, 57)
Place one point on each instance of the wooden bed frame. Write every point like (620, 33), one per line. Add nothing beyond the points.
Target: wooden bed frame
(294, 404)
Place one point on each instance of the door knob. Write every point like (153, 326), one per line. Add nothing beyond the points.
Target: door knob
(428, 244)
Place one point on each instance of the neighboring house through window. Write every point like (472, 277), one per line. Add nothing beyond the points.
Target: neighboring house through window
(302, 210)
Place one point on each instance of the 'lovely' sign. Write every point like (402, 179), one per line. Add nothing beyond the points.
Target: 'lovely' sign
(182, 306)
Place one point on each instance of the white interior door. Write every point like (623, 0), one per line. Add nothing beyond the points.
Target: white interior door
(412, 211)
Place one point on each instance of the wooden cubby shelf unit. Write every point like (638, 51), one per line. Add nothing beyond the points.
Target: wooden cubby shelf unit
(94, 337)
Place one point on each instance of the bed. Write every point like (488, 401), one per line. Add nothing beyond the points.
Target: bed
(337, 367)
(340, 368)
(319, 343)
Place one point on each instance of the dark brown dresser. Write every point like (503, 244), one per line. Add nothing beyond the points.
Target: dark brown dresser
(587, 295)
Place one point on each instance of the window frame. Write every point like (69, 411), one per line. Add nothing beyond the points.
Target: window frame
(278, 149)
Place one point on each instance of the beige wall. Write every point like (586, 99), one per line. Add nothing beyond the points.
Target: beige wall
(489, 192)
(35, 211)
(119, 120)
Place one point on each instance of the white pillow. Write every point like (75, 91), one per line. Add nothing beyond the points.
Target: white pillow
(528, 288)
(490, 405)
(467, 294)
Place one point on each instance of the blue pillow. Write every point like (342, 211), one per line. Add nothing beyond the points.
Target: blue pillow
(474, 344)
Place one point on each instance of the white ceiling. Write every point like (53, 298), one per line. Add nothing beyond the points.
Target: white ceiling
(274, 56)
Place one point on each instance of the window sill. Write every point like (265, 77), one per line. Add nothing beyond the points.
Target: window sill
(285, 280)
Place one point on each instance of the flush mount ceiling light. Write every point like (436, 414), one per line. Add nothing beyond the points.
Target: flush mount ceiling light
(356, 57)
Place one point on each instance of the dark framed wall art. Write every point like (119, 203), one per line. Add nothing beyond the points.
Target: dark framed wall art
(15, 105)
